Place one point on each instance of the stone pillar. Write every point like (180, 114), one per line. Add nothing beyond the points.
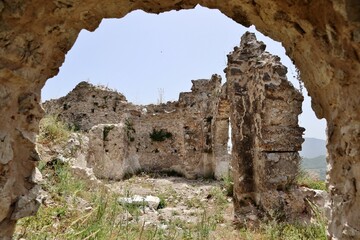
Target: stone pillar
(220, 136)
(264, 109)
(20, 115)
(343, 175)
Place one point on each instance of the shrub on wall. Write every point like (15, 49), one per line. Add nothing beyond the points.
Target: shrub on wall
(160, 135)
(130, 130)
(106, 131)
(53, 130)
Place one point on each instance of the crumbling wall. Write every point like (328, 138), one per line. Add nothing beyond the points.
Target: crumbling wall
(109, 152)
(264, 109)
(176, 137)
(88, 105)
(221, 126)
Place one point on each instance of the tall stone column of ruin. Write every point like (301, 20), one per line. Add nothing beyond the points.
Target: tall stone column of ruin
(220, 136)
(19, 116)
(264, 109)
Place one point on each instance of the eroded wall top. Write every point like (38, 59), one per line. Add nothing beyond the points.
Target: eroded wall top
(183, 136)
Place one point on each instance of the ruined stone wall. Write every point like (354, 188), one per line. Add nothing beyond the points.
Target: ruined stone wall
(264, 110)
(220, 130)
(109, 153)
(88, 105)
(173, 137)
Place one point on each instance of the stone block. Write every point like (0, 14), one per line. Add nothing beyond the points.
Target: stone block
(281, 139)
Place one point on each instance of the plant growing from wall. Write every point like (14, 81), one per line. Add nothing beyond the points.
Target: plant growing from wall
(301, 84)
(130, 130)
(106, 131)
(160, 135)
(52, 129)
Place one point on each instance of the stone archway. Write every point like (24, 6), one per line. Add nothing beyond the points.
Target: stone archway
(322, 38)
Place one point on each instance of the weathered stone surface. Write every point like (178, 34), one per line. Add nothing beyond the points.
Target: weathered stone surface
(87, 105)
(73, 152)
(188, 136)
(108, 152)
(321, 37)
(36, 176)
(149, 201)
(264, 155)
(307, 204)
(29, 204)
(6, 152)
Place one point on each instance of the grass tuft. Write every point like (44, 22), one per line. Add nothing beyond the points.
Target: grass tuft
(309, 180)
(75, 210)
(52, 130)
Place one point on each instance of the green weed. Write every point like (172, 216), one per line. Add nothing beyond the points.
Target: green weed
(228, 184)
(304, 178)
(160, 135)
(52, 130)
(62, 218)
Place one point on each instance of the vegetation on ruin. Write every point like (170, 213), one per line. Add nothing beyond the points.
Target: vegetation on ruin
(130, 130)
(76, 210)
(228, 184)
(160, 135)
(310, 180)
(101, 217)
(53, 130)
(106, 131)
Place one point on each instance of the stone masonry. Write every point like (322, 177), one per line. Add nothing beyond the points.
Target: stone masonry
(264, 109)
(188, 137)
(88, 105)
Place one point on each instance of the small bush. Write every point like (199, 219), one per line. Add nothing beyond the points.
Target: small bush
(228, 184)
(130, 130)
(53, 130)
(106, 131)
(160, 135)
(162, 203)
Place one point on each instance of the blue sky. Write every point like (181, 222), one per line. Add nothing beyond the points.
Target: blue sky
(142, 53)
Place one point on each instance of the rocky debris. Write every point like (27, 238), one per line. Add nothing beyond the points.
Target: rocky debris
(188, 200)
(29, 204)
(148, 201)
(72, 152)
(316, 197)
(78, 203)
(183, 199)
(36, 176)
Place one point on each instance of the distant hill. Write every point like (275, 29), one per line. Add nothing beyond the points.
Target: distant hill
(313, 147)
(314, 156)
(316, 165)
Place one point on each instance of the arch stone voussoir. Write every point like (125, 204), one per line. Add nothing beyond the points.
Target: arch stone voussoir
(321, 37)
